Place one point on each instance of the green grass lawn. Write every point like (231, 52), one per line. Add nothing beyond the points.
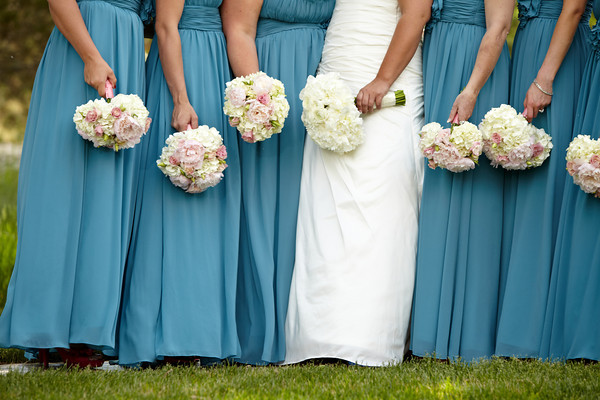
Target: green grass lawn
(413, 379)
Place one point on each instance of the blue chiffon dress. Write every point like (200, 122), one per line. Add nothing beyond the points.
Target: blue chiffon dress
(458, 256)
(533, 197)
(75, 202)
(179, 297)
(289, 41)
(572, 328)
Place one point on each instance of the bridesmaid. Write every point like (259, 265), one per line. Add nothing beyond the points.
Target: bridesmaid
(549, 55)
(283, 38)
(179, 297)
(572, 328)
(458, 257)
(75, 202)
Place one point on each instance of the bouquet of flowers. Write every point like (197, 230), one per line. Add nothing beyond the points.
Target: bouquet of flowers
(194, 160)
(117, 122)
(456, 149)
(511, 142)
(256, 106)
(583, 163)
(330, 114)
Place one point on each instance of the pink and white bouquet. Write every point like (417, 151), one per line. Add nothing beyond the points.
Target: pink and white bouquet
(330, 114)
(256, 106)
(583, 163)
(511, 142)
(117, 122)
(456, 149)
(194, 160)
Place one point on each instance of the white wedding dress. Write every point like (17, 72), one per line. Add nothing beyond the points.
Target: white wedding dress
(356, 242)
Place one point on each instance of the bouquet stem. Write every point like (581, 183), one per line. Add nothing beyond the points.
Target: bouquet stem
(397, 98)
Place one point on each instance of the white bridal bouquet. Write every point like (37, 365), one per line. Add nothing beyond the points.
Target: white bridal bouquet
(583, 163)
(117, 122)
(330, 114)
(256, 106)
(194, 160)
(511, 142)
(456, 149)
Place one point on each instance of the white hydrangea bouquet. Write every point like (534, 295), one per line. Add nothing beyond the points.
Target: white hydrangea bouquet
(194, 160)
(117, 122)
(330, 114)
(583, 163)
(456, 149)
(511, 142)
(256, 106)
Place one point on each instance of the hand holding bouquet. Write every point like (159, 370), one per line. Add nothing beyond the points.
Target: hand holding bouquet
(256, 106)
(330, 114)
(194, 160)
(511, 142)
(583, 163)
(456, 149)
(117, 122)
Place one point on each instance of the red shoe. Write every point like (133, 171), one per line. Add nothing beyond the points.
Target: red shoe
(81, 358)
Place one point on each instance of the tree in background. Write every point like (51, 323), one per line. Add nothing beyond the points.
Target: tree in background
(25, 26)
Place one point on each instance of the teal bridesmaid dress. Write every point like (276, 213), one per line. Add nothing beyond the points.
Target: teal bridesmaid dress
(460, 225)
(289, 41)
(572, 329)
(179, 298)
(533, 197)
(75, 202)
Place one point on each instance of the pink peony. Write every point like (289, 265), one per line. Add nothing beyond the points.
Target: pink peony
(264, 98)
(259, 113)
(248, 136)
(116, 112)
(173, 160)
(237, 96)
(262, 84)
(537, 149)
(190, 153)
(222, 152)
(128, 130)
(181, 181)
(496, 138)
(595, 161)
(429, 151)
(99, 131)
(234, 121)
(92, 115)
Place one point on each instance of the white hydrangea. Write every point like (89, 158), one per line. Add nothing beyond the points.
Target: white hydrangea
(330, 115)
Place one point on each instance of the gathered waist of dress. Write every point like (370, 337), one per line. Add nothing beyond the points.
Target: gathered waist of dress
(268, 26)
(200, 18)
(131, 5)
(461, 14)
(548, 10)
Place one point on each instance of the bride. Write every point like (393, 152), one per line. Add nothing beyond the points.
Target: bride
(356, 239)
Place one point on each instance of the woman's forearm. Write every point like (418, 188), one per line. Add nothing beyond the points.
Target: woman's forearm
(240, 18)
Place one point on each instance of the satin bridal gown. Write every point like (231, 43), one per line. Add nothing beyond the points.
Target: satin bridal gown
(356, 240)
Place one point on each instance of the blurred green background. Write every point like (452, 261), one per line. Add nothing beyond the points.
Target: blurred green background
(24, 29)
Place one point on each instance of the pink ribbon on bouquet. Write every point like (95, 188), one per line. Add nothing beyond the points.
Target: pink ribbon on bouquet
(109, 90)
(189, 127)
(455, 120)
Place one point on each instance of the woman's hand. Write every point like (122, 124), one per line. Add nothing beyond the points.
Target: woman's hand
(184, 115)
(96, 72)
(536, 100)
(463, 105)
(369, 97)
